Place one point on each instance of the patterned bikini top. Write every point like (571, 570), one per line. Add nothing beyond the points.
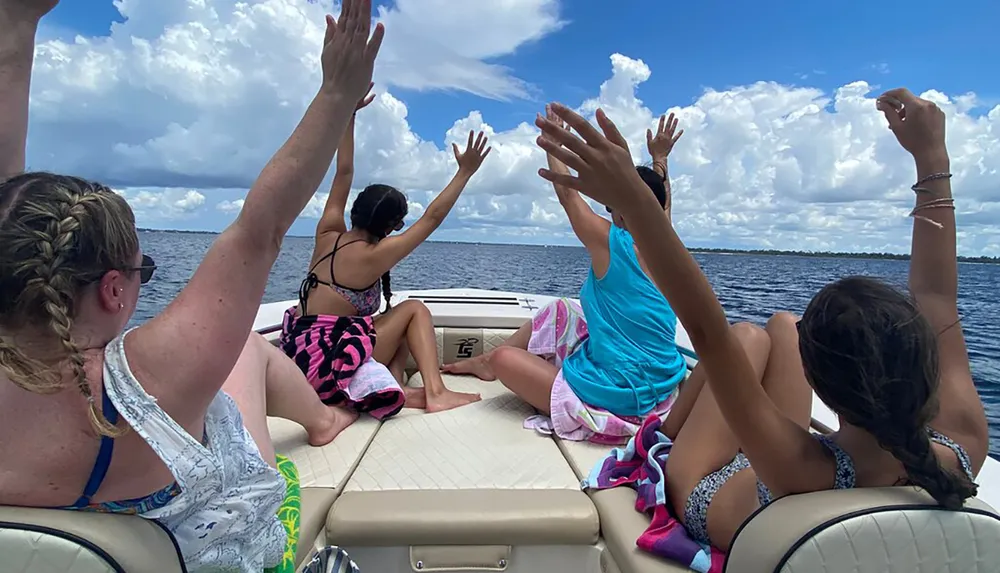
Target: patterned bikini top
(366, 301)
(846, 474)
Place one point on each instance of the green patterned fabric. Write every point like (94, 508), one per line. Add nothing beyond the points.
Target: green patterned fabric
(289, 514)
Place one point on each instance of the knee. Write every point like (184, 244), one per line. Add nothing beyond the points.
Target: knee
(782, 321)
(753, 337)
(416, 309)
(501, 355)
(255, 343)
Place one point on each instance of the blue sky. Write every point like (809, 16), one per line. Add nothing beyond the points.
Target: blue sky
(712, 43)
(687, 47)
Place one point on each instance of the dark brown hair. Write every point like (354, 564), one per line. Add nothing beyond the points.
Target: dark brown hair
(872, 357)
(378, 209)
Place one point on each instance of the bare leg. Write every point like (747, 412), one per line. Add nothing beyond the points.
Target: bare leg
(414, 397)
(266, 382)
(247, 387)
(784, 381)
(706, 444)
(19, 22)
(679, 412)
(479, 366)
(397, 366)
(412, 320)
(290, 396)
(525, 374)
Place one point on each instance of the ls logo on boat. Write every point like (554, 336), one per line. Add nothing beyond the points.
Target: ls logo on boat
(465, 347)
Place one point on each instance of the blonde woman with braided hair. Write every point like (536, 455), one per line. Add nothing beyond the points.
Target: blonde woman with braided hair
(168, 420)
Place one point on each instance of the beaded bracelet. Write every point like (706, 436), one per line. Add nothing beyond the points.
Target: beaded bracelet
(918, 186)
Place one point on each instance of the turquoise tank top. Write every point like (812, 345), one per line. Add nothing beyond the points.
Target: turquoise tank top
(630, 363)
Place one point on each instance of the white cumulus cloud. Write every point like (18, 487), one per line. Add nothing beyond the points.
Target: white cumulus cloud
(190, 97)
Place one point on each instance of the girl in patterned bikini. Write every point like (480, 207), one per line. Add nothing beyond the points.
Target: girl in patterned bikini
(893, 367)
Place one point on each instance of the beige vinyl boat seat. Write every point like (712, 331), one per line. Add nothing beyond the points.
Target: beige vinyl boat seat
(62, 541)
(465, 489)
(899, 530)
(323, 471)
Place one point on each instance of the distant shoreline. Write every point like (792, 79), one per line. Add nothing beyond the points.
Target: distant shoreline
(715, 251)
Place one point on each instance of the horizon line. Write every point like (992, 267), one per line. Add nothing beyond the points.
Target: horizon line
(710, 250)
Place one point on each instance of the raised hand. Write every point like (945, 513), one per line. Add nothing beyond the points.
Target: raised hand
(551, 116)
(26, 10)
(348, 53)
(918, 124)
(369, 97)
(472, 158)
(602, 162)
(660, 144)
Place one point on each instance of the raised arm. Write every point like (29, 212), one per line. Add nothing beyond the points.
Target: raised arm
(659, 146)
(588, 226)
(210, 319)
(919, 125)
(605, 172)
(391, 250)
(18, 25)
(332, 220)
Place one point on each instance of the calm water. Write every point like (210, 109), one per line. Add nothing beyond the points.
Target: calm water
(750, 287)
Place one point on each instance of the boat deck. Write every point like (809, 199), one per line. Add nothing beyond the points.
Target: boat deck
(486, 309)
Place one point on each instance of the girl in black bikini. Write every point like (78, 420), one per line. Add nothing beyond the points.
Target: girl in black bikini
(335, 330)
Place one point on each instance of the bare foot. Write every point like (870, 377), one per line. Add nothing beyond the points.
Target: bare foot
(337, 421)
(448, 400)
(415, 397)
(478, 366)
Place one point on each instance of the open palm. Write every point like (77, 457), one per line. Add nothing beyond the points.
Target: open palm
(472, 158)
(662, 143)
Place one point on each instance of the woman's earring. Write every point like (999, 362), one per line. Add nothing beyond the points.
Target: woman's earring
(120, 306)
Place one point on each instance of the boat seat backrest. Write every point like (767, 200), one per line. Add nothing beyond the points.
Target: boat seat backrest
(62, 541)
(897, 529)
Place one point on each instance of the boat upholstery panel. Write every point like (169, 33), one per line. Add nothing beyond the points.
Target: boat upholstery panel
(326, 466)
(57, 541)
(456, 344)
(621, 525)
(897, 530)
(583, 456)
(316, 504)
(608, 563)
(472, 475)
(468, 558)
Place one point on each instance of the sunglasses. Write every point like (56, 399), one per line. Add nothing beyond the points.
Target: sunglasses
(145, 270)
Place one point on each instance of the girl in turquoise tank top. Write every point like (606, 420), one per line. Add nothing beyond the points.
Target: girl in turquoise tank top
(596, 369)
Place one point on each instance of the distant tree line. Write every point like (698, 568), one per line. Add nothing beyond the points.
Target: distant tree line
(768, 252)
(832, 255)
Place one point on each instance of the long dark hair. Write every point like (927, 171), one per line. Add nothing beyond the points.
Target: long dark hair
(873, 358)
(380, 210)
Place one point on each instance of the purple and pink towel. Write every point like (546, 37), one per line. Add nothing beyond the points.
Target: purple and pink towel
(642, 465)
(335, 354)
